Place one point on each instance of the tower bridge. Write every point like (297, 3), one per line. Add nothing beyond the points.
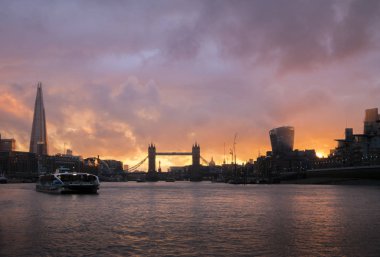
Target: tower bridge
(152, 153)
(195, 168)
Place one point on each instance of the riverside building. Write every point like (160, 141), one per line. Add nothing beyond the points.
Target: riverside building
(358, 149)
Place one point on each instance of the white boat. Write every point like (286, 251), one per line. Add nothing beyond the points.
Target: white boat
(65, 182)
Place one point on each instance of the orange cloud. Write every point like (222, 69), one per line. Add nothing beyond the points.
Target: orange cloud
(11, 105)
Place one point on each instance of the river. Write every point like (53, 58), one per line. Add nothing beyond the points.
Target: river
(192, 219)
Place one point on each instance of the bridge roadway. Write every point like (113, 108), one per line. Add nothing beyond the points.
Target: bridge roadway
(174, 153)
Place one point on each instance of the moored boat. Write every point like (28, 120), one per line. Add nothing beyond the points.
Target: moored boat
(65, 182)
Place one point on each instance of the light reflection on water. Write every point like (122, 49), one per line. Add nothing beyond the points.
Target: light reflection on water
(191, 219)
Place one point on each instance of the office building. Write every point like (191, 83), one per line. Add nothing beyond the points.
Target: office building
(282, 140)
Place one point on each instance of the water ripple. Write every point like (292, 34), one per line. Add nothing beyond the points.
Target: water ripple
(191, 219)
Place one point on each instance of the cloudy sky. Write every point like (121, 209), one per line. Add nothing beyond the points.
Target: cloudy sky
(118, 75)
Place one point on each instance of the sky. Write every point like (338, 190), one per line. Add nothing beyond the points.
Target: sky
(118, 75)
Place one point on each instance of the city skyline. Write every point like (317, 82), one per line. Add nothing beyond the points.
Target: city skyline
(117, 78)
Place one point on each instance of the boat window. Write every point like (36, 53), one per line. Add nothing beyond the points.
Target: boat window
(76, 178)
(66, 177)
(88, 178)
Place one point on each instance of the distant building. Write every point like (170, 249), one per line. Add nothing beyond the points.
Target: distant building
(371, 122)
(48, 164)
(7, 145)
(178, 172)
(283, 159)
(19, 165)
(282, 140)
(212, 162)
(97, 166)
(359, 149)
(114, 166)
(91, 165)
(38, 138)
(69, 152)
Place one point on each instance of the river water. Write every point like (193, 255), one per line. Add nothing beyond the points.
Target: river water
(192, 219)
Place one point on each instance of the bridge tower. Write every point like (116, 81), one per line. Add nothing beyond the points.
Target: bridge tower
(195, 170)
(152, 158)
(196, 153)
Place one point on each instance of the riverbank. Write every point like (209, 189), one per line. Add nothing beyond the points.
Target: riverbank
(366, 175)
(330, 181)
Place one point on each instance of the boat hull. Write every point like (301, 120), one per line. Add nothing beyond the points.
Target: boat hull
(68, 189)
(80, 189)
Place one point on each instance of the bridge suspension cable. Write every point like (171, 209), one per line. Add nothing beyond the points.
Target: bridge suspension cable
(205, 161)
(136, 166)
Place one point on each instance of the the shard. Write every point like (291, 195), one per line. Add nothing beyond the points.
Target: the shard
(38, 138)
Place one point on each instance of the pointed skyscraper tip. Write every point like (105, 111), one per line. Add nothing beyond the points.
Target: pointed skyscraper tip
(38, 138)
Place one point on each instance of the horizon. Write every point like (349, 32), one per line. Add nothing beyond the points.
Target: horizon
(117, 77)
(188, 159)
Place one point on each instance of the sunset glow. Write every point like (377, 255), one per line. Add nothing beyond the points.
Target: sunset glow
(118, 77)
(320, 154)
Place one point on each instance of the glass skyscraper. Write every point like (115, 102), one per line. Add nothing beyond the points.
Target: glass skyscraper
(38, 138)
(282, 140)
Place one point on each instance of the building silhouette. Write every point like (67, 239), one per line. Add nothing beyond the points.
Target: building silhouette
(359, 149)
(283, 161)
(22, 166)
(38, 138)
(371, 122)
(282, 140)
(7, 145)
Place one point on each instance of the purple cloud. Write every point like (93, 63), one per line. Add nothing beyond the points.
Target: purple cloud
(121, 74)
